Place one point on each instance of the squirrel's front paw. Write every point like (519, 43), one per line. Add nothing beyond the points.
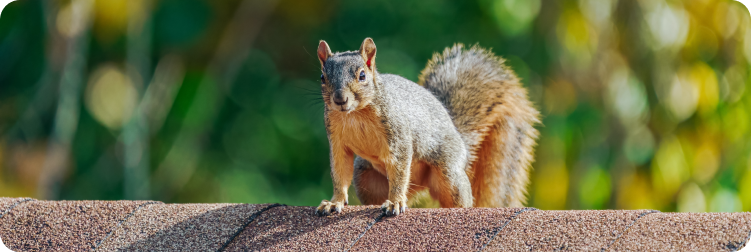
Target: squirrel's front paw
(394, 208)
(327, 207)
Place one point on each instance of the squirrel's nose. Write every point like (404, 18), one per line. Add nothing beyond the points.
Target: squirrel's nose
(339, 98)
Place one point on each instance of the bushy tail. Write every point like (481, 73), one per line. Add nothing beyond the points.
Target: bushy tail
(491, 110)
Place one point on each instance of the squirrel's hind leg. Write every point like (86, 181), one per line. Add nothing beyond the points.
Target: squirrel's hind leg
(448, 182)
(372, 187)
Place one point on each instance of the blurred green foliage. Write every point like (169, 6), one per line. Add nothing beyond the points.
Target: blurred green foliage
(644, 102)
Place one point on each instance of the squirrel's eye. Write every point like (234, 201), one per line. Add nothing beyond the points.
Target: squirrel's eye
(362, 75)
(323, 81)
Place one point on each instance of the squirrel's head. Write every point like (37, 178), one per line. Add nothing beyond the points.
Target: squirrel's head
(348, 78)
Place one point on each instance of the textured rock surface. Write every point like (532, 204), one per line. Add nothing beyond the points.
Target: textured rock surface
(170, 227)
(687, 232)
(436, 230)
(563, 230)
(7, 203)
(31, 225)
(62, 225)
(299, 229)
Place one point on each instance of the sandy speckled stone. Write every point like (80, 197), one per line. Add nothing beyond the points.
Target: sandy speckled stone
(7, 203)
(687, 232)
(300, 229)
(62, 225)
(181, 227)
(445, 229)
(563, 230)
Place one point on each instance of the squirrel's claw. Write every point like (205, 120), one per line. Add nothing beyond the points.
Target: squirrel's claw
(327, 207)
(394, 208)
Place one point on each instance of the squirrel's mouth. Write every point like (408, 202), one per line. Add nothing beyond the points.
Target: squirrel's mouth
(341, 108)
(345, 108)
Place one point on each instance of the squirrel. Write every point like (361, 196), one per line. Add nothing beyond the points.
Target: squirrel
(465, 132)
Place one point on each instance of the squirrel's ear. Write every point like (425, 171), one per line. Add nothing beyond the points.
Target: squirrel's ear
(368, 52)
(323, 52)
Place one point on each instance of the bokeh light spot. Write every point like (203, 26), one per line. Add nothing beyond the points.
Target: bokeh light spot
(513, 17)
(111, 96)
(704, 77)
(691, 199)
(727, 17)
(668, 25)
(594, 189)
(745, 188)
(635, 192)
(706, 162)
(736, 123)
(669, 169)
(551, 187)
(71, 17)
(682, 98)
(725, 200)
(628, 97)
(597, 11)
(639, 145)
(734, 83)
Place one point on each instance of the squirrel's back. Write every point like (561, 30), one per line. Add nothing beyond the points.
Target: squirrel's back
(491, 111)
(417, 107)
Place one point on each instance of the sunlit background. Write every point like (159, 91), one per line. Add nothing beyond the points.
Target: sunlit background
(645, 103)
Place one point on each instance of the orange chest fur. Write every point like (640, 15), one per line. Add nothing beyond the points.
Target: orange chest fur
(360, 132)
